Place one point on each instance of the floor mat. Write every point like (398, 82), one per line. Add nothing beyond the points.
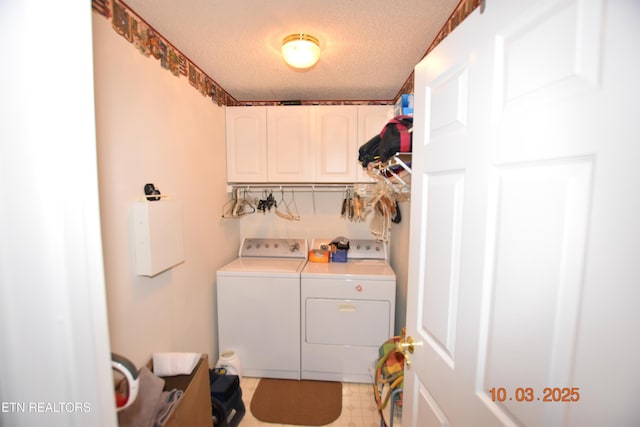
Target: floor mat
(309, 403)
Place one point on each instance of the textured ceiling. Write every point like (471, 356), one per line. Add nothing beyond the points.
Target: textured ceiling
(369, 47)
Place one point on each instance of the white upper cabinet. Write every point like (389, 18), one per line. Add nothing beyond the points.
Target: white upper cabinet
(335, 143)
(300, 143)
(371, 119)
(246, 129)
(289, 144)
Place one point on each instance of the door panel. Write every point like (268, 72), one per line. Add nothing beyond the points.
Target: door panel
(442, 261)
(288, 144)
(450, 101)
(535, 261)
(371, 120)
(335, 143)
(246, 144)
(429, 411)
(525, 235)
(560, 41)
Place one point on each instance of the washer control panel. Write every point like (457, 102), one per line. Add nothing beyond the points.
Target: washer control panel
(273, 248)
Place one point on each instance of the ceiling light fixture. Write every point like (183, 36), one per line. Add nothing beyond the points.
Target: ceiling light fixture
(300, 50)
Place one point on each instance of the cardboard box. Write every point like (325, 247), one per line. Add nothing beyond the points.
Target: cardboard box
(194, 408)
(404, 105)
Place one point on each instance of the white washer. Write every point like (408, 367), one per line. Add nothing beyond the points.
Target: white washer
(347, 312)
(259, 306)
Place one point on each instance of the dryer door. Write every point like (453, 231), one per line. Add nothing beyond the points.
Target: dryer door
(347, 322)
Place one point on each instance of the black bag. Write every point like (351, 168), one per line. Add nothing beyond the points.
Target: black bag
(396, 137)
(227, 407)
(223, 386)
(368, 152)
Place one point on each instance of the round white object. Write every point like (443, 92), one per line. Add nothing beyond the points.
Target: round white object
(230, 362)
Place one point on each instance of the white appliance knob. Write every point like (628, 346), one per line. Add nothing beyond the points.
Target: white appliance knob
(275, 245)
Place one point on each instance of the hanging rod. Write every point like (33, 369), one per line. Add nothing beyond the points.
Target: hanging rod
(297, 187)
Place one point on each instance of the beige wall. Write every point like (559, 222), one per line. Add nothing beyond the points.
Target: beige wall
(154, 127)
(400, 263)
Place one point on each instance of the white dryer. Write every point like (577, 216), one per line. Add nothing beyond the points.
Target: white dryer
(259, 306)
(348, 311)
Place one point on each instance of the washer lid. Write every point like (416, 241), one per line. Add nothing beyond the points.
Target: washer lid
(277, 267)
(370, 269)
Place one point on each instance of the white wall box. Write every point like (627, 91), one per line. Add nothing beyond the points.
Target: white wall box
(158, 239)
(306, 144)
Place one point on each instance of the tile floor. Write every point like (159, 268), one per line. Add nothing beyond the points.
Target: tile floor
(358, 407)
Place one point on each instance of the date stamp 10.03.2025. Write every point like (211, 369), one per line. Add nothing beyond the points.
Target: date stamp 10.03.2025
(529, 394)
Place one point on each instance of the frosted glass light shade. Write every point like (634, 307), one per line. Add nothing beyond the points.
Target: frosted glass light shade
(300, 50)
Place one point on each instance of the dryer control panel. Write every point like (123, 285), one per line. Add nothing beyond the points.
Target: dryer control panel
(358, 248)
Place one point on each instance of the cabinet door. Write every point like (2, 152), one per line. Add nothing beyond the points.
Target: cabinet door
(371, 119)
(335, 138)
(246, 144)
(288, 142)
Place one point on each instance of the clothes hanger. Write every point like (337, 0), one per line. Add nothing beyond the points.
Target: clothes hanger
(287, 214)
(294, 214)
(240, 207)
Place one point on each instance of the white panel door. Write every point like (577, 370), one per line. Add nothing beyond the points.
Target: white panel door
(525, 222)
(289, 144)
(335, 143)
(371, 119)
(246, 129)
